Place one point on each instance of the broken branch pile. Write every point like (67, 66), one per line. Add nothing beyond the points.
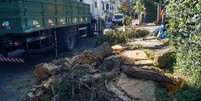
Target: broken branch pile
(94, 75)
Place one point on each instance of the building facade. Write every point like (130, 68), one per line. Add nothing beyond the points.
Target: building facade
(96, 8)
(97, 13)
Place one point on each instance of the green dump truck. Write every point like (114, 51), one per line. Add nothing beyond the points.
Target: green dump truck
(34, 25)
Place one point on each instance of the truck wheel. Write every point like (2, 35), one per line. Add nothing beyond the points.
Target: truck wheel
(70, 41)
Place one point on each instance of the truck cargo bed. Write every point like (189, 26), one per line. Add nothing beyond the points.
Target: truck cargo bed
(26, 16)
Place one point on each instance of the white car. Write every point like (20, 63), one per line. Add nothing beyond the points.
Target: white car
(118, 19)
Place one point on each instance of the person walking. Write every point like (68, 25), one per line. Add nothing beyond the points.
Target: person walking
(162, 14)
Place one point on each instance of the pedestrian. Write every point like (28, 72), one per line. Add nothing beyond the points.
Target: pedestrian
(162, 14)
(162, 32)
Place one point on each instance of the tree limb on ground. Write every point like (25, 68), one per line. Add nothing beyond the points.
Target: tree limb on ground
(141, 73)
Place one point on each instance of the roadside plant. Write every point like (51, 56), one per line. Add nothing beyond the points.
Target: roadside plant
(127, 20)
(139, 8)
(185, 28)
(118, 37)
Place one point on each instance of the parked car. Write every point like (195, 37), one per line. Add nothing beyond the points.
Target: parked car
(118, 19)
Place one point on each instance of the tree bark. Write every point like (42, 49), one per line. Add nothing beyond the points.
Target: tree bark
(141, 73)
(99, 76)
(91, 56)
(45, 70)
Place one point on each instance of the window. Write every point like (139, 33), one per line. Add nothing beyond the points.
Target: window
(36, 23)
(107, 6)
(62, 20)
(96, 4)
(51, 22)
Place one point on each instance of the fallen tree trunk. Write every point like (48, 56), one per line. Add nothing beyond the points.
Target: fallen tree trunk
(86, 73)
(92, 56)
(45, 70)
(135, 57)
(141, 73)
(164, 58)
(99, 76)
(110, 63)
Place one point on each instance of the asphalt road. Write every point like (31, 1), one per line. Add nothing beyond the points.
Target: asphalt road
(16, 79)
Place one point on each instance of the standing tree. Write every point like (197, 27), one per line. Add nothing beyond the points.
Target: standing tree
(124, 8)
(139, 8)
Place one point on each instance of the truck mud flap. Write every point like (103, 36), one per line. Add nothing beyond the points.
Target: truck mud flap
(11, 60)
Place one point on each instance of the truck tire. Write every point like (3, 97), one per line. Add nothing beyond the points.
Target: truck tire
(66, 38)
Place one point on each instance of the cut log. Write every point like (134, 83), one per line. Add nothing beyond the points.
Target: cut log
(122, 95)
(146, 44)
(99, 76)
(67, 64)
(163, 58)
(91, 56)
(118, 49)
(135, 57)
(141, 90)
(110, 63)
(51, 82)
(45, 70)
(79, 71)
(140, 73)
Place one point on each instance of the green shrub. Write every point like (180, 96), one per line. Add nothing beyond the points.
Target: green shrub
(127, 20)
(185, 94)
(188, 94)
(141, 33)
(161, 93)
(113, 37)
(184, 26)
(118, 37)
(196, 78)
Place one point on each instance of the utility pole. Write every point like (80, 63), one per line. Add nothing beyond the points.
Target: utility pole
(158, 12)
